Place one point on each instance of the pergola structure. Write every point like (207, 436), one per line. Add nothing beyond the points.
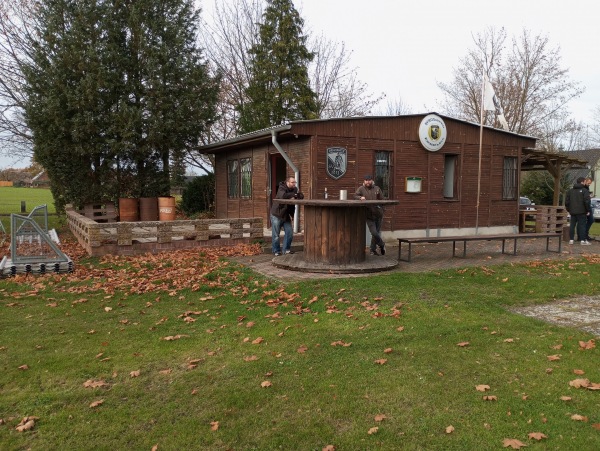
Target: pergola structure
(555, 163)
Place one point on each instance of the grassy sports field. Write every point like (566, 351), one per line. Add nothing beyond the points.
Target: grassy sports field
(10, 202)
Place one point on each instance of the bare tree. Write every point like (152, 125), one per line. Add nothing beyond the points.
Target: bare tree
(15, 31)
(533, 87)
(339, 91)
(227, 37)
(394, 107)
(593, 138)
(230, 33)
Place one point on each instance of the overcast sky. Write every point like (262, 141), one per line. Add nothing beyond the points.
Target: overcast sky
(404, 47)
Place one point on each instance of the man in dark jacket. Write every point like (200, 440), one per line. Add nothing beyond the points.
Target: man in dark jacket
(369, 191)
(578, 205)
(282, 215)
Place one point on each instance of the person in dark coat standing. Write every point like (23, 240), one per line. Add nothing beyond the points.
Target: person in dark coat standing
(578, 205)
(282, 216)
(590, 218)
(369, 191)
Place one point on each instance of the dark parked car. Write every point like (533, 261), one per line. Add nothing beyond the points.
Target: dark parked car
(526, 204)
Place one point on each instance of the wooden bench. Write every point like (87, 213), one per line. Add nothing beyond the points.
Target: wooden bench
(503, 237)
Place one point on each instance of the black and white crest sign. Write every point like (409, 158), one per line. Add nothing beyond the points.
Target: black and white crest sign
(337, 158)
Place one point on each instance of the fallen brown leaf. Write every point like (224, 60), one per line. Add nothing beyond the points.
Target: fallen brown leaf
(537, 435)
(135, 373)
(23, 367)
(513, 443)
(373, 430)
(380, 417)
(579, 372)
(381, 361)
(388, 350)
(578, 383)
(26, 424)
(482, 387)
(577, 417)
(490, 398)
(250, 358)
(340, 343)
(97, 403)
(463, 344)
(587, 344)
(174, 337)
(565, 398)
(91, 383)
(302, 349)
(258, 340)
(449, 429)
(265, 384)
(553, 358)
(214, 425)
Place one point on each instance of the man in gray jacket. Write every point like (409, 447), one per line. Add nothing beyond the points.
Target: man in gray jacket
(579, 207)
(369, 191)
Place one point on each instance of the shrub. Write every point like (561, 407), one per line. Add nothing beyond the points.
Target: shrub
(198, 195)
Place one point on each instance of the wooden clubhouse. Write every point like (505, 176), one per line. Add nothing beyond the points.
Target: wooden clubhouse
(445, 182)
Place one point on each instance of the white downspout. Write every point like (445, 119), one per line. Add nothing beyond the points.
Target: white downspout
(296, 176)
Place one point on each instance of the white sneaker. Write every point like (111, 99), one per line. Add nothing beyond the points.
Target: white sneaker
(571, 242)
(585, 243)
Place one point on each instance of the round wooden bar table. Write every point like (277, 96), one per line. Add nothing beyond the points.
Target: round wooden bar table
(335, 237)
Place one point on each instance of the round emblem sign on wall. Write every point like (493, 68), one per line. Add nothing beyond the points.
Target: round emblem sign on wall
(432, 132)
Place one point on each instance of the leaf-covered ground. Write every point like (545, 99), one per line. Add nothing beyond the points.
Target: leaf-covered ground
(188, 350)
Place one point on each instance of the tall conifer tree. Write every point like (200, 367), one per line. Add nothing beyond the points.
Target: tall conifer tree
(279, 89)
(114, 90)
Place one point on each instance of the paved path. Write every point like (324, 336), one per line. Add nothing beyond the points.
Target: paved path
(583, 313)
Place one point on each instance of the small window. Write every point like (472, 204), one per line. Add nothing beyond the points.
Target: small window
(239, 178)
(382, 172)
(450, 176)
(509, 179)
(246, 178)
(232, 179)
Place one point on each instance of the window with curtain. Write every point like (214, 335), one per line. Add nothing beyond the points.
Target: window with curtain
(233, 179)
(239, 178)
(450, 176)
(510, 179)
(246, 178)
(383, 172)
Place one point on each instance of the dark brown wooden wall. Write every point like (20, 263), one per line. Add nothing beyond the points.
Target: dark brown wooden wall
(306, 144)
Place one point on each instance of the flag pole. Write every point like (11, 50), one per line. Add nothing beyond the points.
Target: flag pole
(480, 150)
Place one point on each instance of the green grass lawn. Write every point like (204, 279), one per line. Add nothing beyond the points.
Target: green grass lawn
(10, 202)
(193, 352)
(11, 198)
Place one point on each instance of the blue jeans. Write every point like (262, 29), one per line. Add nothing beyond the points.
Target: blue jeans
(276, 225)
(374, 226)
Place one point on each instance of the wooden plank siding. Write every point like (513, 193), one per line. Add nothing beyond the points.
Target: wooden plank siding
(306, 143)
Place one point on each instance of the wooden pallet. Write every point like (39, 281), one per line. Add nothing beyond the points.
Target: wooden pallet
(550, 219)
(101, 213)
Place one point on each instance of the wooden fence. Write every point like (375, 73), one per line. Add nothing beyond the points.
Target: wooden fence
(135, 238)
